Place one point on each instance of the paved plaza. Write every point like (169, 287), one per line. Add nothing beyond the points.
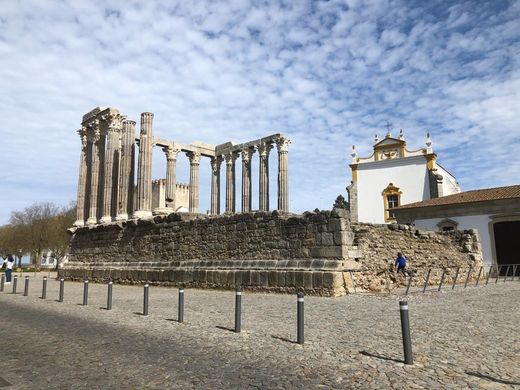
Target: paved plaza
(462, 338)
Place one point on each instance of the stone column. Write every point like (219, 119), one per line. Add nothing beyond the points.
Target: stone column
(80, 209)
(283, 178)
(126, 172)
(194, 181)
(246, 179)
(95, 140)
(263, 152)
(113, 131)
(230, 181)
(144, 170)
(171, 178)
(215, 185)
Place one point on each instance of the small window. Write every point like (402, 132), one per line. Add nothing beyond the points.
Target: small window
(447, 225)
(392, 199)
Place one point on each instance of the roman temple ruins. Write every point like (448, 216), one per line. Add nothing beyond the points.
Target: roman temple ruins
(107, 190)
(133, 233)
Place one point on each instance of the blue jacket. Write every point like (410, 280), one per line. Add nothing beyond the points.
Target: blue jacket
(400, 261)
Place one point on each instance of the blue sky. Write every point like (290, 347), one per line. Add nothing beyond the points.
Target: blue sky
(327, 74)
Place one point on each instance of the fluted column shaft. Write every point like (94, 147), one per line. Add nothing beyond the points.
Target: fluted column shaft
(113, 126)
(171, 176)
(215, 185)
(246, 180)
(230, 182)
(263, 151)
(144, 172)
(80, 209)
(95, 140)
(126, 171)
(283, 176)
(194, 182)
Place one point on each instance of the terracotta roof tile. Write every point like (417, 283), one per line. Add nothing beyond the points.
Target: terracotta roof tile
(469, 196)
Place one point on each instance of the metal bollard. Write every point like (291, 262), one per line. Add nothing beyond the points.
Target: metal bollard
(15, 282)
(85, 292)
(26, 287)
(408, 286)
(62, 288)
(2, 282)
(426, 281)
(507, 272)
(499, 268)
(300, 318)
(489, 275)
(238, 309)
(180, 308)
(109, 297)
(467, 277)
(405, 329)
(478, 277)
(442, 278)
(455, 279)
(145, 300)
(44, 287)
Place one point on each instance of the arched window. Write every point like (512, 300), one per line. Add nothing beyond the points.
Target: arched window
(391, 199)
(447, 225)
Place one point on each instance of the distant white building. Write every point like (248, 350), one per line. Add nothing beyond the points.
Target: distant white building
(494, 212)
(394, 175)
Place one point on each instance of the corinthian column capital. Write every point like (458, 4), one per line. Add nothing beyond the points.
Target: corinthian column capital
(283, 145)
(194, 158)
(264, 149)
(215, 164)
(230, 158)
(171, 152)
(83, 136)
(247, 154)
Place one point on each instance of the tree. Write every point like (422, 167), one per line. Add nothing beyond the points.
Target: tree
(341, 203)
(59, 238)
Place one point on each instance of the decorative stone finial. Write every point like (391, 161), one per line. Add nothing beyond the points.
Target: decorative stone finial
(376, 139)
(401, 135)
(354, 154)
(428, 143)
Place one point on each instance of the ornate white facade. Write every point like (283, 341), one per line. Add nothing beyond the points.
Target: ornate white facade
(393, 176)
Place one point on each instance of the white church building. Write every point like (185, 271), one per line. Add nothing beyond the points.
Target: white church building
(394, 175)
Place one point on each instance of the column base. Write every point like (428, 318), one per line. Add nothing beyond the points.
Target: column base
(142, 214)
(122, 217)
(92, 221)
(105, 219)
(162, 211)
(79, 223)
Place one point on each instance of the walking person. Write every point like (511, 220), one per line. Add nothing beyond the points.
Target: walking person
(9, 269)
(400, 264)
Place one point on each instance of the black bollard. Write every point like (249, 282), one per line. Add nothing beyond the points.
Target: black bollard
(145, 300)
(85, 292)
(238, 309)
(300, 318)
(62, 288)
(442, 278)
(15, 282)
(478, 276)
(2, 282)
(109, 297)
(426, 281)
(489, 275)
(455, 279)
(44, 287)
(409, 284)
(405, 328)
(26, 287)
(180, 308)
(467, 277)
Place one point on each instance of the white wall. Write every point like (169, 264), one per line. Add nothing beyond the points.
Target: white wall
(410, 175)
(479, 222)
(449, 183)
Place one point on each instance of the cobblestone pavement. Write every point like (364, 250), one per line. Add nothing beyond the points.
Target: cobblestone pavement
(462, 338)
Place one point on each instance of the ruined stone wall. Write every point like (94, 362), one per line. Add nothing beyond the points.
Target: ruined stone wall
(379, 245)
(313, 252)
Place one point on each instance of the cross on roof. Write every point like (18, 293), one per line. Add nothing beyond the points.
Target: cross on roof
(388, 126)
